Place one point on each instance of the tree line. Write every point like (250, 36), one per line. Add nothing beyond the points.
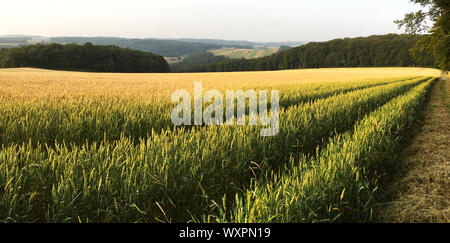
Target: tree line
(85, 57)
(374, 51)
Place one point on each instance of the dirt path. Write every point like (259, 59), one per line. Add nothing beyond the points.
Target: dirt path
(423, 195)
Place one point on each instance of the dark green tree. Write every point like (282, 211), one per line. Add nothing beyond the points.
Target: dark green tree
(437, 42)
(85, 57)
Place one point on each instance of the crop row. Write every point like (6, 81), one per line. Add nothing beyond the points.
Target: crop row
(341, 182)
(292, 95)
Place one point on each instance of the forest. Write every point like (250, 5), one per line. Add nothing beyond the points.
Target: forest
(85, 57)
(390, 50)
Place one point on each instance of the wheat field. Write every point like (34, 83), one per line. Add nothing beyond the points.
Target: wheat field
(35, 83)
(94, 147)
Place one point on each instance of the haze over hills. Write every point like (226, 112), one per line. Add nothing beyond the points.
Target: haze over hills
(164, 47)
(244, 42)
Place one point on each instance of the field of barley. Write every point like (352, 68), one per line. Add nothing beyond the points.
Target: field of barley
(96, 147)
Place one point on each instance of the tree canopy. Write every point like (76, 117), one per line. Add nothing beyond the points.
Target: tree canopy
(374, 51)
(437, 42)
(85, 57)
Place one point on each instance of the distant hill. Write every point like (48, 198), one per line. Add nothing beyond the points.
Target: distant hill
(374, 51)
(223, 43)
(85, 57)
(283, 48)
(167, 48)
(14, 39)
(164, 47)
(246, 44)
(237, 53)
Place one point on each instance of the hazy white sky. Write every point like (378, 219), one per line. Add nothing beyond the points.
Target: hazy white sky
(255, 20)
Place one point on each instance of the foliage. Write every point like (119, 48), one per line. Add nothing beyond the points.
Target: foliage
(87, 57)
(374, 51)
(437, 43)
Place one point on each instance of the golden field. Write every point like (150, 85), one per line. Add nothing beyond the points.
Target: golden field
(35, 83)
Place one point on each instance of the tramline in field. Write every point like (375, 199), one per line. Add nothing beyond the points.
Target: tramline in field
(338, 184)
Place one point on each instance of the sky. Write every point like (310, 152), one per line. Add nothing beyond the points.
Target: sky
(253, 20)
